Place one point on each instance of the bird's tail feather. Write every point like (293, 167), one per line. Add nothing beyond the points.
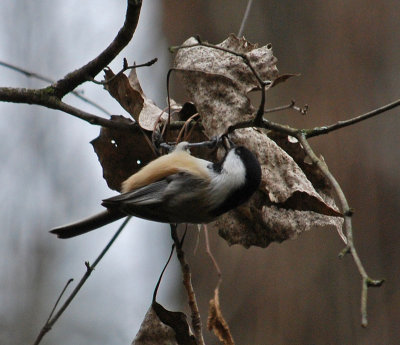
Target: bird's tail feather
(88, 224)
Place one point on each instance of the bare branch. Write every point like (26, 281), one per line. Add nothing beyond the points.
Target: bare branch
(348, 212)
(85, 116)
(26, 72)
(162, 274)
(89, 269)
(341, 124)
(94, 67)
(125, 68)
(310, 132)
(58, 300)
(187, 282)
(211, 255)
(46, 98)
(30, 74)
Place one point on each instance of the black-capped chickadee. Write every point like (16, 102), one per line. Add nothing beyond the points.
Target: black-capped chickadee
(179, 188)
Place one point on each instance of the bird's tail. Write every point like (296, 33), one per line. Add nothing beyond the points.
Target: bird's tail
(88, 224)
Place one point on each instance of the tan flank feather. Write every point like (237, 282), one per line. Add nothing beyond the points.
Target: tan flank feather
(177, 161)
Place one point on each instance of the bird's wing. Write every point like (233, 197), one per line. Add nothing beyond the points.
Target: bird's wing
(173, 199)
(150, 194)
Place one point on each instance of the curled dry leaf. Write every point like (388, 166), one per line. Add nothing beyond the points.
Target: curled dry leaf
(217, 94)
(121, 153)
(161, 326)
(127, 96)
(287, 203)
(129, 93)
(216, 321)
(218, 62)
(218, 81)
(293, 198)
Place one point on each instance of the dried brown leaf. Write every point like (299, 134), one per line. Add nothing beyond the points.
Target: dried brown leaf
(129, 93)
(287, 203)
(178, 322)
(282, 78)
(121, 153)
(216, 321)
(256, 225)
(218, 82)
(283, 179)
(219, 97)
(154, 332)
(161, 326)
(150, 113)
(120, 88)
(214, 61)
(134, 81)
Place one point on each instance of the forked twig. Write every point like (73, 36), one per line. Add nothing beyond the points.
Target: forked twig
(89, 269)
(124, 68)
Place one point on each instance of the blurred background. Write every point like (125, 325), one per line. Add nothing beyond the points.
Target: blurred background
(297, 292)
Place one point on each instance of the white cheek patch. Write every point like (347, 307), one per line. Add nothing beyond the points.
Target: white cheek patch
(232, 176)
(234, 168)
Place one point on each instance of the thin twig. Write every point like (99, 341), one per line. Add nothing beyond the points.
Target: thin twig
(347, 212)
(245, 17)
(291, 105)
(280, 108)
(44, 97)
(58, 300)
(27, 73)
(187, 282)
(48, 80)
(211, 255)
(89, 269)
(313, 132)
(184, 127)
(162, 273)
(124, 68)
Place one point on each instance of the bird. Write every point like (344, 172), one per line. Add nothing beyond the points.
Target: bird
(179, 188)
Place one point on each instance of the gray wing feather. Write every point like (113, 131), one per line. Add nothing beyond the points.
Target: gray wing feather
(151, 194)
(179, 198)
